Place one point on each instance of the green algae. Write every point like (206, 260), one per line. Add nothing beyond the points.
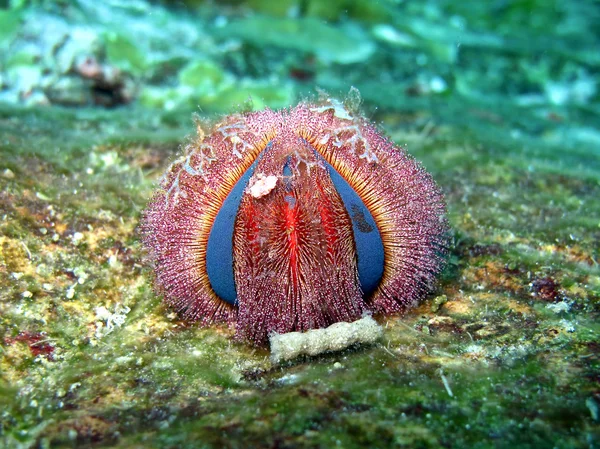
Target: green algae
(307, 35)
(121, 51)
(202, 74)
(249, 96)
(9, 24)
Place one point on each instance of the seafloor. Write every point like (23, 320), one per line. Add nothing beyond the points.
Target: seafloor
(498, 99)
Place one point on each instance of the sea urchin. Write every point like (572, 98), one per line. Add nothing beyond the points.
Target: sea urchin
(294, 220)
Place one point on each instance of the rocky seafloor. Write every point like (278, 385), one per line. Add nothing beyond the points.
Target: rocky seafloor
(499, 101)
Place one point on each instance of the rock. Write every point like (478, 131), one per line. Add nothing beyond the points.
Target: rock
(342, 45)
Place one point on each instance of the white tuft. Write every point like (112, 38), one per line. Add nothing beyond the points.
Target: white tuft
(262, 185)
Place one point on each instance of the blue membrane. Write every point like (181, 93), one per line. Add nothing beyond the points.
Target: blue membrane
(219, 249)
(369, 246)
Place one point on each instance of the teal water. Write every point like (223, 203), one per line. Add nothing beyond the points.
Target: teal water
(498, 99)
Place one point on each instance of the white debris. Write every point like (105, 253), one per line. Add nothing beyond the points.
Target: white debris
(111, 319)
(76, 238)
(446, 384)
(568, 326)
(579, 91)
(113, 261)
(262, 185)
(559, 307)
(288, 379)
(336, 337)
(70, 292)
(392, 36)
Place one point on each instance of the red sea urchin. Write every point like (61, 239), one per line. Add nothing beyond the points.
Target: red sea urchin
(294, 220)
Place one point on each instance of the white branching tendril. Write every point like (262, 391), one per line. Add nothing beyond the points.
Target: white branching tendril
(338, 108)
(356, 137)
(204, 155)
(112, 319)
(239, 144)
(354, 140)
(173, 191)
(196, 160)
(303, 161)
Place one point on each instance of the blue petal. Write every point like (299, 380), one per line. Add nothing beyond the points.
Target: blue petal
(369, 246)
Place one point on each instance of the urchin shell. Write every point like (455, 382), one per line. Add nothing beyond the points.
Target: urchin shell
(258, 200)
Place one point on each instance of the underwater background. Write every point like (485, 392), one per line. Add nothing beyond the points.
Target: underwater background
(499, 99)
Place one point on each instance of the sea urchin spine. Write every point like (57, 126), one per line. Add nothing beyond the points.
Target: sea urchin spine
(294, 220)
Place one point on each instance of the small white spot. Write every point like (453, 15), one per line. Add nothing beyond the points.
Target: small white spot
(76, 238)
(438, 85)
(113, 261)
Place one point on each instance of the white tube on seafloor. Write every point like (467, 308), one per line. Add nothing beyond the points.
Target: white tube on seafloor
(336, 337)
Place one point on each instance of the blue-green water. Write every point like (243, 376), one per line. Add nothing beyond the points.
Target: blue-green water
(498, 99)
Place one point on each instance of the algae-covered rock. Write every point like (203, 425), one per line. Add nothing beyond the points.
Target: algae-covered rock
(164, 98)
(255, 96)
(325, 10)
(221, 98)
(202, 75)
(9, 26)
(124, 53)
(23, 57)
(343, 45)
